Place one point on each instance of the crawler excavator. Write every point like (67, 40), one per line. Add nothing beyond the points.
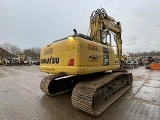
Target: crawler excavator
(87, 65)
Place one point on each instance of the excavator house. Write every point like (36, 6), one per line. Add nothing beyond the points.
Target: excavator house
(87, 65)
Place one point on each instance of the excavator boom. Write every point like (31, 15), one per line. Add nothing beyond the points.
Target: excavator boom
(100, 23)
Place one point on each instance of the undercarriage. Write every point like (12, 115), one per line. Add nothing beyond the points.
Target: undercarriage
(91, 93)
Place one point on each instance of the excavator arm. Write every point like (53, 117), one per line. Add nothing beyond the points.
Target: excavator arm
(102, 25)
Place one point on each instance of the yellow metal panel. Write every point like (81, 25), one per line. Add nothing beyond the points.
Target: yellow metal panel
(86, 57)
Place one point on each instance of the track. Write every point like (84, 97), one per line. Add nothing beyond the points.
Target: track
(53, 87)
(93, 93)
(94, 96)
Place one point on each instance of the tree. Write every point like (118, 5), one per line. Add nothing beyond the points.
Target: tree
(13, 49)
(32, 52)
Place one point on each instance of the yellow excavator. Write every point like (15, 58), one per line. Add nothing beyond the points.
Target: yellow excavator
(87, 65)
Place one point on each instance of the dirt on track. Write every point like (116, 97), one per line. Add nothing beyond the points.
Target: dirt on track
(22, 99)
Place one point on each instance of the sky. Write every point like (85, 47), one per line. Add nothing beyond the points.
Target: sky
(36, 23)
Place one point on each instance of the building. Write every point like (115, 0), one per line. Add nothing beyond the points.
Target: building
(4, 54)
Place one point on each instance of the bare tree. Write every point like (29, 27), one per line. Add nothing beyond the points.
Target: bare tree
(27, 52)
(32, 52)
(6, 46)
(13, 49)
